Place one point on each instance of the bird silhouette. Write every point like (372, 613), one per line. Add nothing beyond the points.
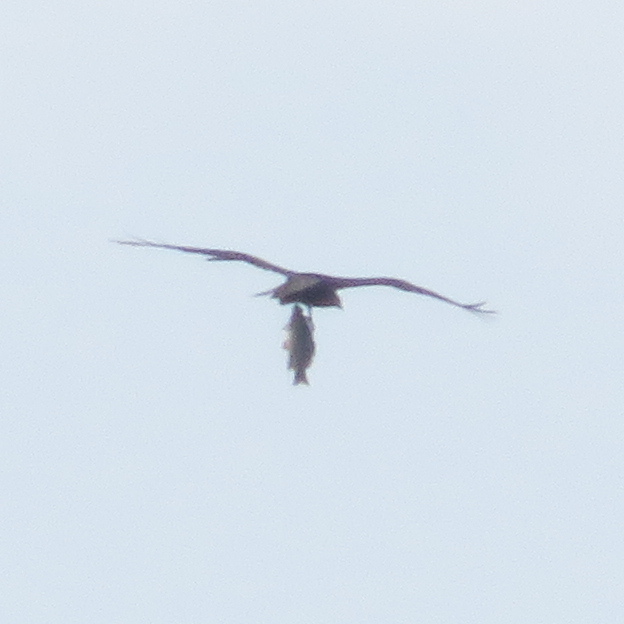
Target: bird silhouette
(310, 289)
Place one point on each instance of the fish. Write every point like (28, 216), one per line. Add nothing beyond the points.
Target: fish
(300, 344)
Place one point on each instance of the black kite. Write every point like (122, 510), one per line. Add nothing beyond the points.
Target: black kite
(311, 289)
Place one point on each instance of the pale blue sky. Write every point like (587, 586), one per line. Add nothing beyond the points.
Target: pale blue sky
(158, 466)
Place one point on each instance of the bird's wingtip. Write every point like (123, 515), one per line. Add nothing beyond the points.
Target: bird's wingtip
(478, 307)
(138, 242)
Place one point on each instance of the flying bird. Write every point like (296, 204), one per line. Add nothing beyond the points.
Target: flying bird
(300, 344)
(310, 289)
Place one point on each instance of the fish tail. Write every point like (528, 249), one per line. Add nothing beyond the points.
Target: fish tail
(300, 378)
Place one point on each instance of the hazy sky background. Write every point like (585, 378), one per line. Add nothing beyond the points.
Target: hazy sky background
(156, 463)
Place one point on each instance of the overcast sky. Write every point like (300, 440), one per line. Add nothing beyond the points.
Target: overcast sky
(156, 463)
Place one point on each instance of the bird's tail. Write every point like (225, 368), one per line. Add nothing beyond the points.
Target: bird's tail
(264, 293)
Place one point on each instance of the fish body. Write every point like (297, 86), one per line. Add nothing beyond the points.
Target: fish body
(300, 344)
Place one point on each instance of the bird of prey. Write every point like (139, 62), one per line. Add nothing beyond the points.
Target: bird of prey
(300, 344)
(310, 289)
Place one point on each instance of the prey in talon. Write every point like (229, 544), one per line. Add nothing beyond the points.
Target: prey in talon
(300, 344)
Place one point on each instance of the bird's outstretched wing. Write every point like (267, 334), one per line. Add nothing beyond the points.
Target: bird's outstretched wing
(215, 254)
(352, 282)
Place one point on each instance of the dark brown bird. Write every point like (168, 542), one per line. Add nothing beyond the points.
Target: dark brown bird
(311, 289)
